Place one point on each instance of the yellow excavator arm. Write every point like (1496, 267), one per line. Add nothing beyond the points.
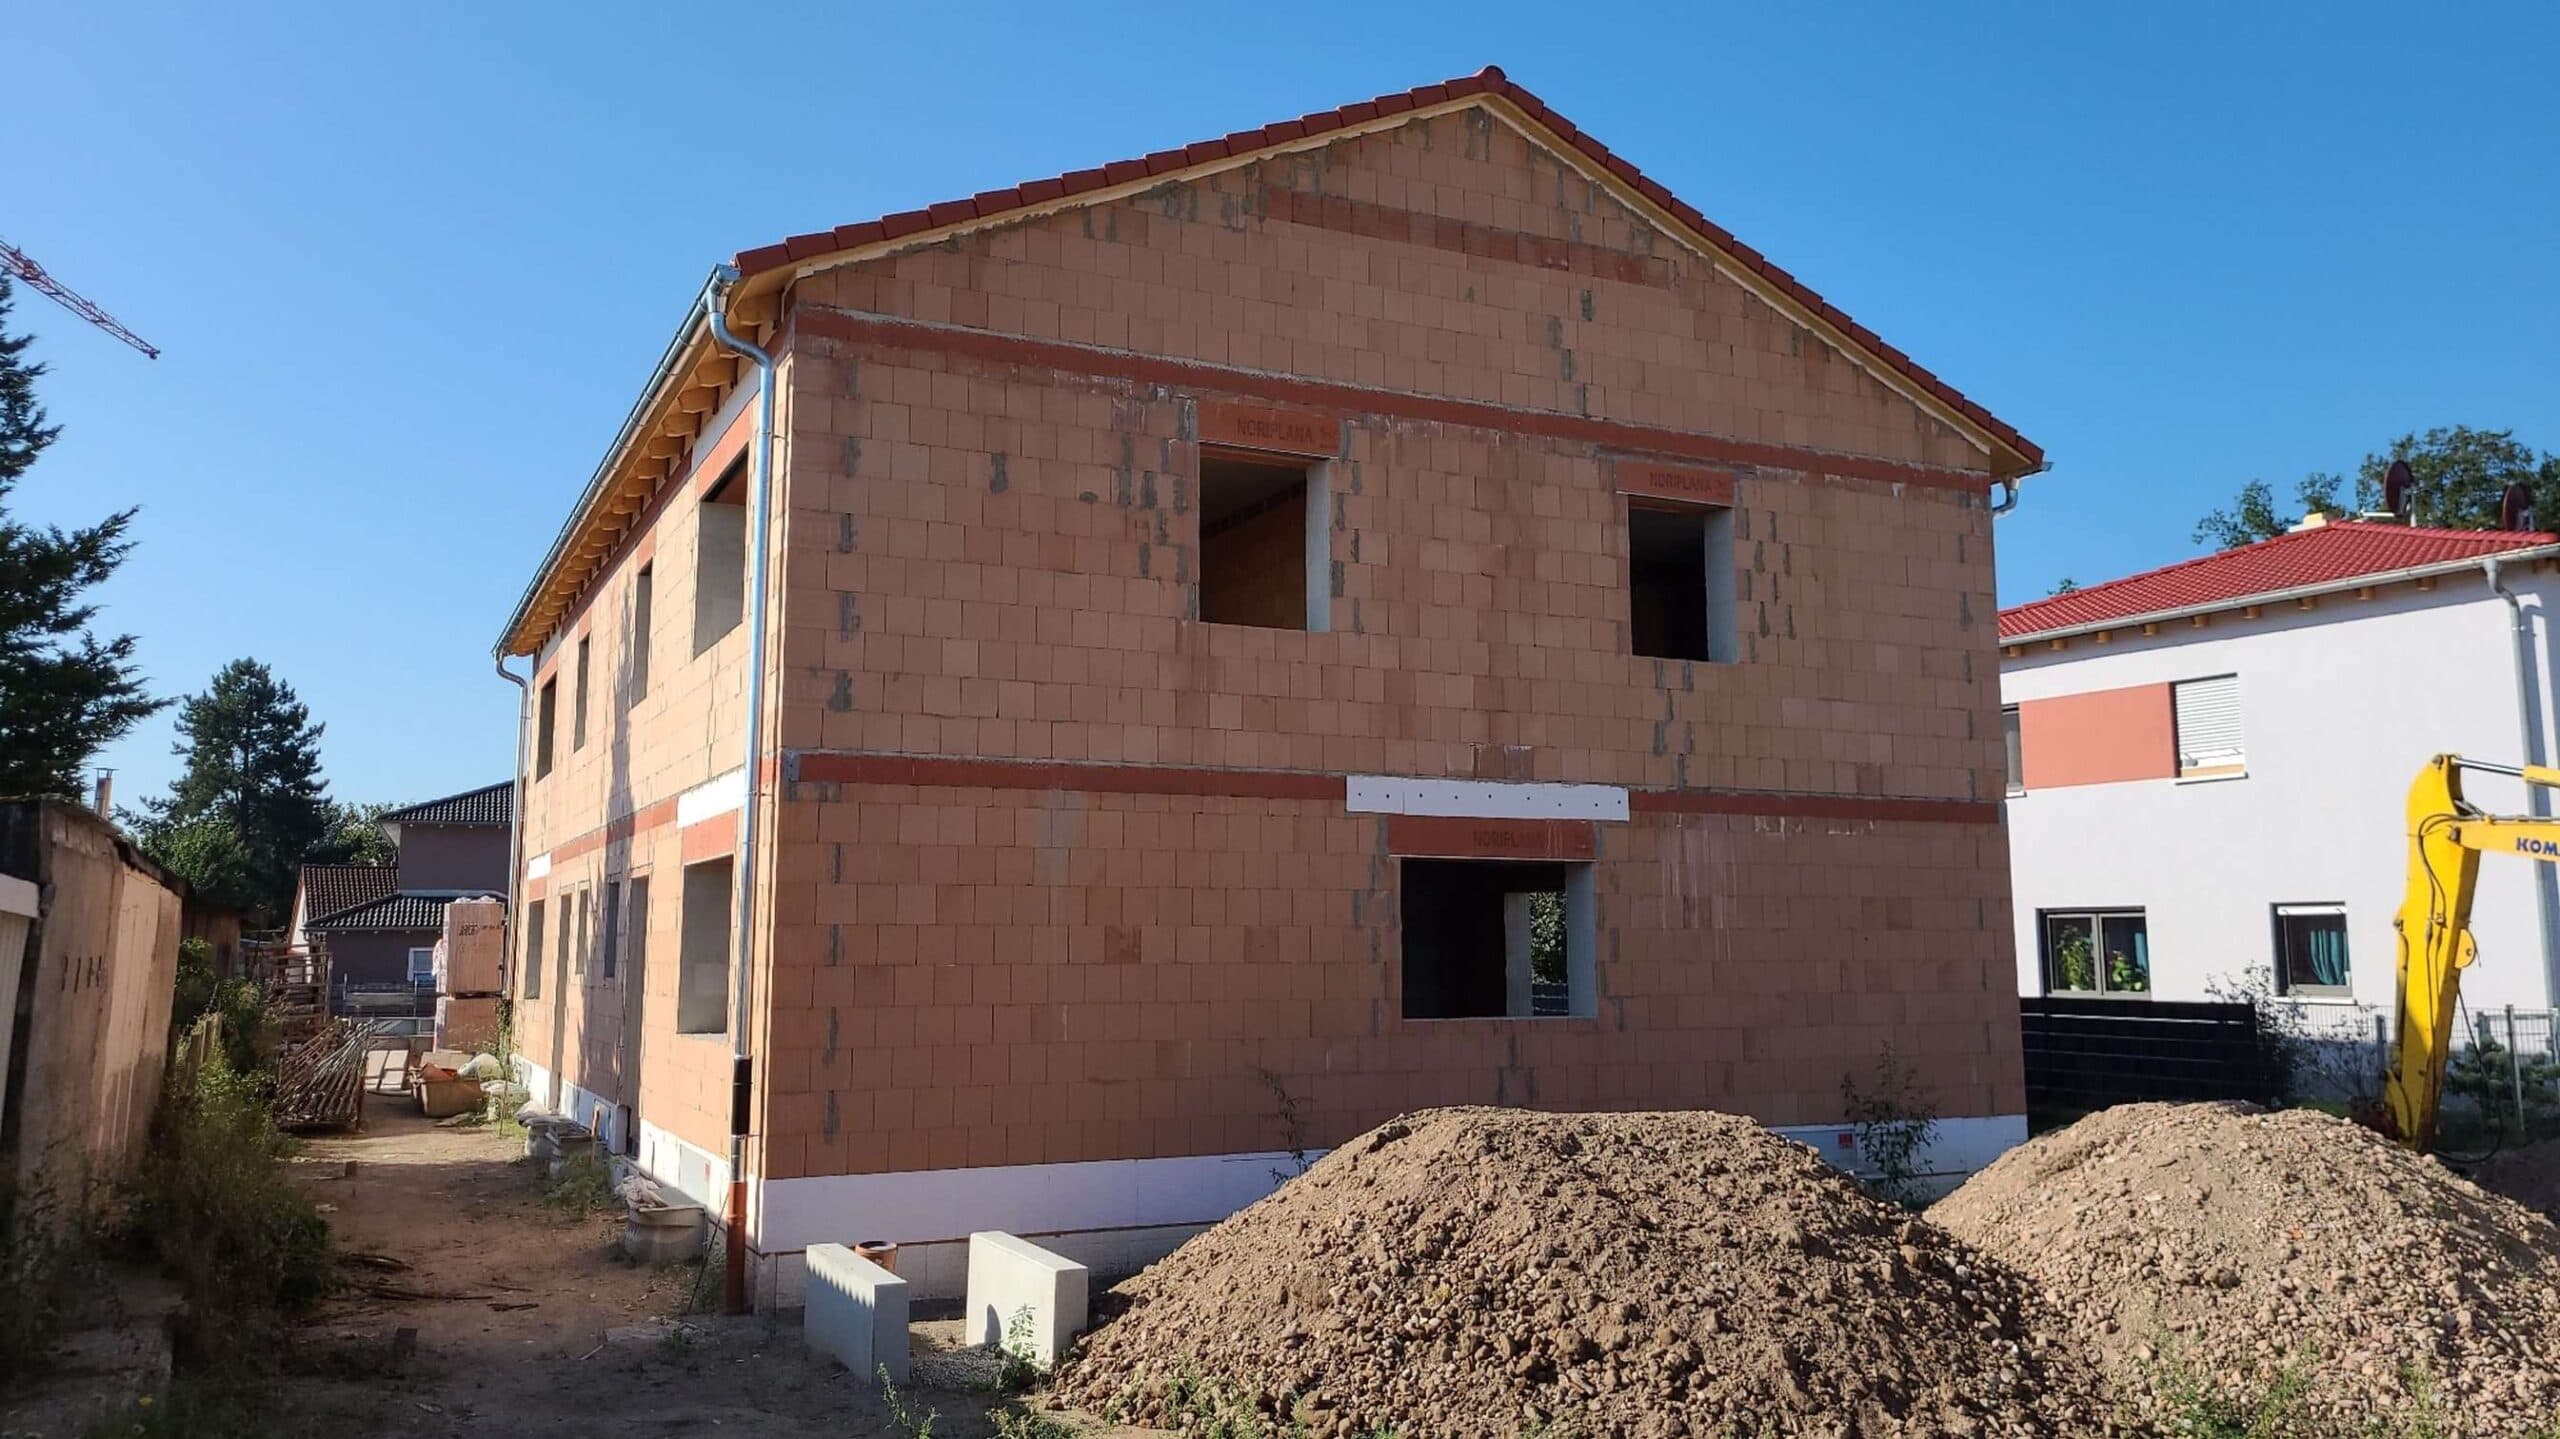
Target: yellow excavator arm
(2447, 836)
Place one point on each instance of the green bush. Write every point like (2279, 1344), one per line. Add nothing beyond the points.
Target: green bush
(48, 1259)
(238, 1005)
(583, 1186)
(247, 1250)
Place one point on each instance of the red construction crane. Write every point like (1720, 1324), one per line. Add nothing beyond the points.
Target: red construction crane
(15, 261)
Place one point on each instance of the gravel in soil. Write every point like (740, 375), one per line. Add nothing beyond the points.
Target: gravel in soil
(1464, 1272)
(2236, 1247)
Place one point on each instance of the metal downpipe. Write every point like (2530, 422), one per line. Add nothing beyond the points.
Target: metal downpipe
(2546, 885)
(742, 939)
(515, 800)
(2012, 487)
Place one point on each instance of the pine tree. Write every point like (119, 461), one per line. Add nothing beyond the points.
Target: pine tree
(250, 805)
(64, 692)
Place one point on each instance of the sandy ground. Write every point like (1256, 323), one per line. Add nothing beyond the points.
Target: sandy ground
(528, 1322)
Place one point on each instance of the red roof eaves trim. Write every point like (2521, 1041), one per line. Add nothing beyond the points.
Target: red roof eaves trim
(1490, 81)
(2287, 563)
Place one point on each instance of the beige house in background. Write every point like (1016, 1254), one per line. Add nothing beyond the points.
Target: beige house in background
(1214, 605)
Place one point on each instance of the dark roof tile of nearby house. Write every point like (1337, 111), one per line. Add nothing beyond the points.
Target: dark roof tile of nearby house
(329, 888)
(490, 804)
(1490, 81)
(2338, 552)
(391, 912)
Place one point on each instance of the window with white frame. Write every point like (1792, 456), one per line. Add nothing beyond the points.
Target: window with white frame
(2017, 756)
(2208, 714)
(2311, 951)
(2097, 951)
(422, 964)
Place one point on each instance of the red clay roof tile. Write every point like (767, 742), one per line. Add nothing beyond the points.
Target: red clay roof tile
(1490, 80)
(2338, 551)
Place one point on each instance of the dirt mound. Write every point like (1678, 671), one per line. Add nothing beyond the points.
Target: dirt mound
(1468, 1272)
(2530, 1176)
(2220, 1246)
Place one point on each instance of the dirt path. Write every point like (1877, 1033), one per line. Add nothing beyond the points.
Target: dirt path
(528, 1322)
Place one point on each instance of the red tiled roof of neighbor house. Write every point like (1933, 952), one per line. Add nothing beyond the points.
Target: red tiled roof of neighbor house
(2334, 553)
(991, 204)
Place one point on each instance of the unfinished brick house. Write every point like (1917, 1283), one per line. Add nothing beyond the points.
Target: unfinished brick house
(1388, 609)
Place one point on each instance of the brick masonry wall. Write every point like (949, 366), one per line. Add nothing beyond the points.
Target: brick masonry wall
(606, 812)
(992, 553)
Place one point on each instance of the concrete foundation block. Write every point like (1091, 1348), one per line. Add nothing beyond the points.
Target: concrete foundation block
(1010, 1277)
(856, 1313)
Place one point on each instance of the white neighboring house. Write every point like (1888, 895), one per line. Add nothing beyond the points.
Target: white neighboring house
(2209, 763)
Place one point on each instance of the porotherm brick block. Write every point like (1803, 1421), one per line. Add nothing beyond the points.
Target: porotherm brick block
(471, 954)
(466, 1024)
(856, 1313)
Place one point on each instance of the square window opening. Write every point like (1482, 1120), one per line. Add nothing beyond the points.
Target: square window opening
(2097, 952)
(1680, 585)
(2311, 951)
(1265, 544)
(720, 559)
(702, 988)
(546, 714)
(422, 964)
(533, 949)
(1497, 939)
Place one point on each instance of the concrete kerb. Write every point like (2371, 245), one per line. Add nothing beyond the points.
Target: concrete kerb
(1013, 1281)
(856, 1313)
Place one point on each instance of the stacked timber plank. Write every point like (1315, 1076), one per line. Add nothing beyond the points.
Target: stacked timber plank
(320, 1058)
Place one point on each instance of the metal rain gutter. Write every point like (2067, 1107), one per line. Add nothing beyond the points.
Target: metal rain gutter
(743, 878)
(667, 362)
(2546, 884)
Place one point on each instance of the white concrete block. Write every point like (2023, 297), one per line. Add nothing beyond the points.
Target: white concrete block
(1009, 1277)
(855, 1312)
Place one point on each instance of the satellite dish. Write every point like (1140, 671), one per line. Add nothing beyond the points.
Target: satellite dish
(2515, 508)
(2399, 490)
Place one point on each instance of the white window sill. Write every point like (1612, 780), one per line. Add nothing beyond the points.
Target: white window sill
(2212, 778)
(2328, 1001)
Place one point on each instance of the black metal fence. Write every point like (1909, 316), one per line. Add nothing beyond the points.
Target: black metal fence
(396, 1007)
(2086, 1054)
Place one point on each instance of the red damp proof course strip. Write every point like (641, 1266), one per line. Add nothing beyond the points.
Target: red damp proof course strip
(932, 772)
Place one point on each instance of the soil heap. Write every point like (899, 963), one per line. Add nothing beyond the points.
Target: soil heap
(1464, 1272)
(2221, 1246)
(2530, 1176)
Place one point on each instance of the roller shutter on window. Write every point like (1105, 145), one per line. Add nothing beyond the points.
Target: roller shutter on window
(2209, 726)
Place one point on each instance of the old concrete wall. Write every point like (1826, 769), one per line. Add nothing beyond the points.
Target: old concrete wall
(90, 1030)
(1143, 887)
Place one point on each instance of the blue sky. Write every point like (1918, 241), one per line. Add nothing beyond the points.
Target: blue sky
(409, 264)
